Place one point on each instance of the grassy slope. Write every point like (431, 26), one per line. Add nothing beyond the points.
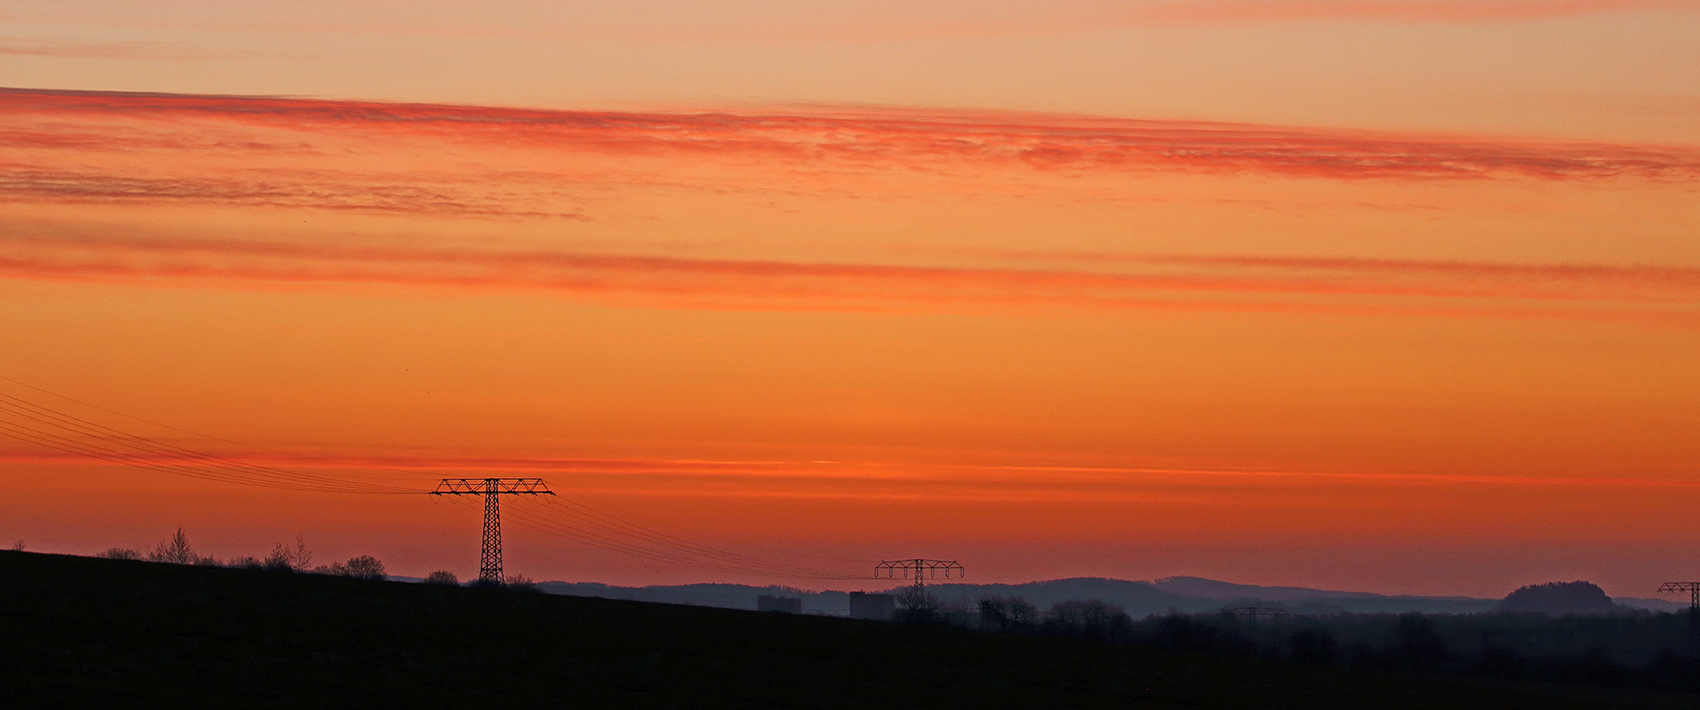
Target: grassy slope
(81, 631)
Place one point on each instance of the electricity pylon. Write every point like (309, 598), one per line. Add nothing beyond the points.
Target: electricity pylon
(490, 559)
(917, 566)
(1693, 589)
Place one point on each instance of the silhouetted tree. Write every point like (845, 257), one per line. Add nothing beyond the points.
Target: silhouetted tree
(120, 553)
(916, 606)
(247, 562)
(1091, 619)
(18, 546)
(174, 550)
(284, 559)
(442, 576)
(1006, 614)
(365, 567)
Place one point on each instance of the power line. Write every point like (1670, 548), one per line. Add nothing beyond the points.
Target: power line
(582, 521)
(124, 448)
(147, 447)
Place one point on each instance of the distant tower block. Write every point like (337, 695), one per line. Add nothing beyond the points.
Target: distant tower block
(1692, 588)
(919, 568)
(876, 607)
(490, 559)
(784, 605)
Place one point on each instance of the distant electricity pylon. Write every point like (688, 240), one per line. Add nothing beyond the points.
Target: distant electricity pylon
(1693, 589)
(917, 566)
(490, 560)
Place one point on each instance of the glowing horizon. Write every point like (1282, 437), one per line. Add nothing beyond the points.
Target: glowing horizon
(1390, 295)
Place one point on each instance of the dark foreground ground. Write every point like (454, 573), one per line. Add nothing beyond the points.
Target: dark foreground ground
(79, 632)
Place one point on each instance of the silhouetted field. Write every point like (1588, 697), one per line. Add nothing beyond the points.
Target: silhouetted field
(83, 631)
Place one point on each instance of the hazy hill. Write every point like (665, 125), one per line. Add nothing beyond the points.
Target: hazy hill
(1186, 594)
(85, 632)
(1212, 589)
(1558, 598)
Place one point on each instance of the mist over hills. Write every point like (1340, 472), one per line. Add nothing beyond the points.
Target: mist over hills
(1185, 594)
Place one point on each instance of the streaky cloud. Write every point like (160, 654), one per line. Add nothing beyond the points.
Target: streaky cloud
(895, 138)
(1660, 295)
(337, 192)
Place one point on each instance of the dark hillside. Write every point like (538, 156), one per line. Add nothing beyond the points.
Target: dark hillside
(1559, 598)
(90, 632)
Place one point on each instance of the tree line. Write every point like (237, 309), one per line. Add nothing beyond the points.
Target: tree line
(1633, 649)
(286, 557)
(283, 558)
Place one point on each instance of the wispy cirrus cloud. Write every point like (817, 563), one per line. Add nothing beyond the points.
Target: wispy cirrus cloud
(470, 162)
(1434, 11)
(899, 139)
(399, 195)
(909, 21)
(133, 51)
(1663, 295)
(889, 480)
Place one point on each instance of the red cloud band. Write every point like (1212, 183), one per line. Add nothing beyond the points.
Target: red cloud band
(904, 139)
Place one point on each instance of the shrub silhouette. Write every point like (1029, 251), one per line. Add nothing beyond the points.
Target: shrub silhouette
(120, 553)
(442, 576)
(287, 559)
(174, 550)
(1091, 619)
(247, 562)
(916, 606)
(365, 567)
(1006, 614)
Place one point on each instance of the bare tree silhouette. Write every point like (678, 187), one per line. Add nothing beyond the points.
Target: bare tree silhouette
(365, 567)
(1006, 614)
(174, 550)
(284, 558)
(916, 606)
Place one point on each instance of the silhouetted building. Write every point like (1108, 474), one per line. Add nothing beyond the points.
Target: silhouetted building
(872, 606)
(787, 605)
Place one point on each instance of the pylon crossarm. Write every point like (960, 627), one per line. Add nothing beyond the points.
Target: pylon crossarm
(1692, 588)
(486, 486)
(919, 568)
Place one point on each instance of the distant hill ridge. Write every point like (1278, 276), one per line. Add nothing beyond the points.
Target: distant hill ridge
(92, 632)
(1139, 598)
(1559, 598)
(1213, 589)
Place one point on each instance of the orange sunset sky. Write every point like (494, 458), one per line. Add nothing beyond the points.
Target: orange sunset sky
(1390, 295)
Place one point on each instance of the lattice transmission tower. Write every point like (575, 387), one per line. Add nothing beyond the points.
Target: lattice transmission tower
(490, 559)
(1692, 588)
(916, 567)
